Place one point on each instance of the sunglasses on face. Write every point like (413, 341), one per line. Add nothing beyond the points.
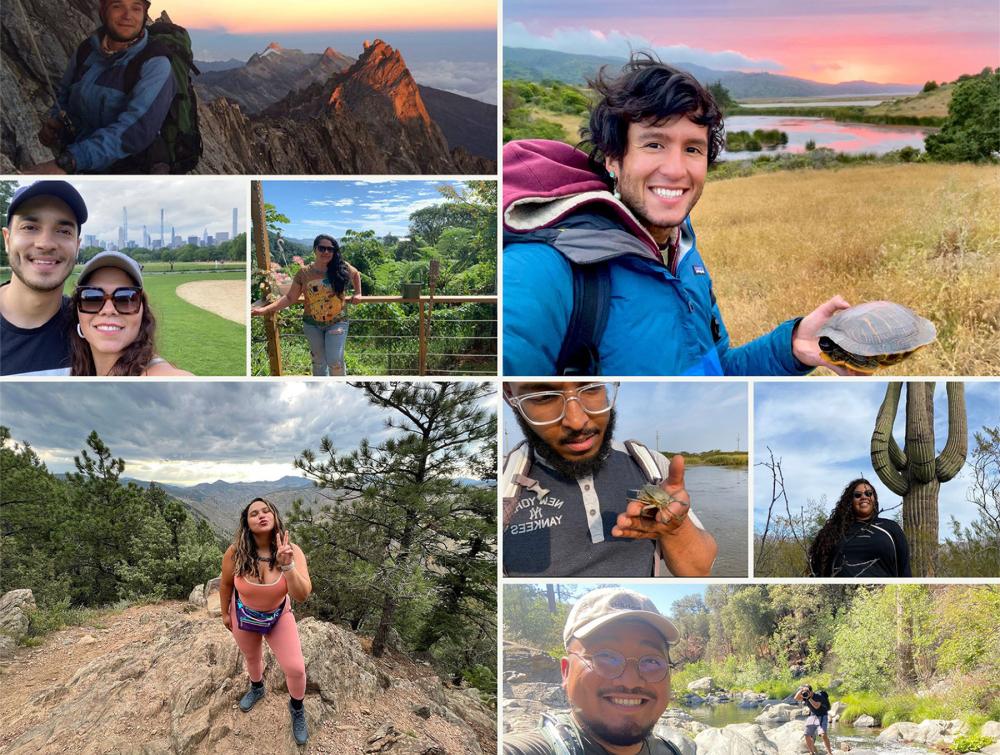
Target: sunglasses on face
(90, 299)
(864, 493)
(325, 249)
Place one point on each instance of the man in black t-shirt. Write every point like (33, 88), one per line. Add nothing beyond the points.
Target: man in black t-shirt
(42, 237)
(818, 705)
(574, 513)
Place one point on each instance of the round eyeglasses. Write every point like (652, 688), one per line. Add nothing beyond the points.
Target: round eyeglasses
(549, 407)
(611, 664)
(125, 299)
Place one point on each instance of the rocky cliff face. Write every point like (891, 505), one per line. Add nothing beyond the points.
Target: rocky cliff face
(270, 75)
(369, 118)
(166, 678)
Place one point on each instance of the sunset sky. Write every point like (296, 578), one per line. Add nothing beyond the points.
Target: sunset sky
(447, 46)
(889, 41)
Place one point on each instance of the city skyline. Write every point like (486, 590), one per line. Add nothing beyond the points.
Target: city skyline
(160, 239)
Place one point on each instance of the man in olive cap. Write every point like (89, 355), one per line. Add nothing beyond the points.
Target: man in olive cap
(616, 673)
(113, 120)
(42, 238)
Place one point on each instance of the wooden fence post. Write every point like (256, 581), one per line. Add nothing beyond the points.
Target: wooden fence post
(262, 251)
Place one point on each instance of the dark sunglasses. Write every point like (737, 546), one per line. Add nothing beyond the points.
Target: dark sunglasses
(326, 249)
(865, 494)
(90, 299)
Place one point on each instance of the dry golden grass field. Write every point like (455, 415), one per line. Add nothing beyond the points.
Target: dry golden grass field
(927, 236)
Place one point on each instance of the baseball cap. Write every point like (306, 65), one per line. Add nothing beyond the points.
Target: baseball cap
(603, 606)
(59, 189)
(113, 259)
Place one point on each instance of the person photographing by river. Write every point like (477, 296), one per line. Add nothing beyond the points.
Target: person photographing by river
(818, 705)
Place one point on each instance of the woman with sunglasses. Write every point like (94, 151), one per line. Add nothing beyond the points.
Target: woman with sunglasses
(112, 327)
(856, 541)
(324, 285)
(262, 572)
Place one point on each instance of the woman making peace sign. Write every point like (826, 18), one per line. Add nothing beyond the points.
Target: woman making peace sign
(261, 572)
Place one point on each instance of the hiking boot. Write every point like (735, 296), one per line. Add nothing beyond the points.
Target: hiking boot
(299, 730)
(251, 697)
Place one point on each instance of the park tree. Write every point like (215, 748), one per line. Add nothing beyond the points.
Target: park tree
(914, 472)
(722, 97)
(403, 524)
(930, 86)
(971, 132)
(7, 189)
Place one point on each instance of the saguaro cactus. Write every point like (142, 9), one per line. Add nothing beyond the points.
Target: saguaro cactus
(914, 472)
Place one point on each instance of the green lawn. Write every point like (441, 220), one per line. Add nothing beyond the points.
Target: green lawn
(189, 337)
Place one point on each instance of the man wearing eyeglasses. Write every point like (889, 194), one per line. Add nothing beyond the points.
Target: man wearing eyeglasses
(42, 239)
(616, 673)
(570, 505)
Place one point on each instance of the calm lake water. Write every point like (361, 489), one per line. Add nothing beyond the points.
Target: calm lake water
(719, 498)
(852, 138)
(817, 103)
(866, 739)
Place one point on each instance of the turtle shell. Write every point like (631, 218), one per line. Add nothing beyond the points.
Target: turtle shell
(878, 329)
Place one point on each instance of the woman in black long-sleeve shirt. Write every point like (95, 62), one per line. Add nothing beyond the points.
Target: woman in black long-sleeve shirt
(856, 541)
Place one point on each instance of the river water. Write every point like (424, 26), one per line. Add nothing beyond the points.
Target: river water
(852, 138)
(719, 498)
(840, 734)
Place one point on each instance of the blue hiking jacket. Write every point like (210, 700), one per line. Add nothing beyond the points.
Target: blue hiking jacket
(112, 124)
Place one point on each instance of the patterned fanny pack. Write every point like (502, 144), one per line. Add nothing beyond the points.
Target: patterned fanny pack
(250, 620)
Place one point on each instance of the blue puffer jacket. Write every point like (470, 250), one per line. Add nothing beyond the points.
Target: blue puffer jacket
(659, 323)
(112, 124)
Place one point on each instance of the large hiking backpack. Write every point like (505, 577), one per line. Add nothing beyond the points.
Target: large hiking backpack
(178, 144)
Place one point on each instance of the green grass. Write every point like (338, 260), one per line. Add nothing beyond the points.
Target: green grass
(190, 337)
(184, 267)
(713, 458)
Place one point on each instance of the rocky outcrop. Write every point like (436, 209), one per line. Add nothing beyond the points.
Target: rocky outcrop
(991, 729)
(701, 685)
(15, 607)
(781, 713)
(169, 677)
(864, 722)
(736, 739)
(524, 664)
(931, 732)
(678, 737)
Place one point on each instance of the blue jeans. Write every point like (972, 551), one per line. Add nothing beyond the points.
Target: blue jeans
(326, 345)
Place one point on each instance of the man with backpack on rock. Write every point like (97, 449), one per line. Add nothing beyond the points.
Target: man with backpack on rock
(601, 273)
(125, 103)
(818, 705)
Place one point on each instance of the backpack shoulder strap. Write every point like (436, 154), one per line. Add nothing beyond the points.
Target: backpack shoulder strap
(153, 49)
(560, 736)
(668, 744)
(579, 354)
(651, 464)
(516, 466)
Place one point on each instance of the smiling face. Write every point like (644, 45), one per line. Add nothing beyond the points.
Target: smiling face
(662, 174)
(863, 501)
(618, 711)
(109, 332)
(124, 19)
(42, 241)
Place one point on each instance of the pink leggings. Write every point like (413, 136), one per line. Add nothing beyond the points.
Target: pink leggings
(283, 640)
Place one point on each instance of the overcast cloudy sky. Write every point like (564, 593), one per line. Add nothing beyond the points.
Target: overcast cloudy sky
(687, 416)
(189, 204)
(186, 433)
(821, 431)
(337, 206)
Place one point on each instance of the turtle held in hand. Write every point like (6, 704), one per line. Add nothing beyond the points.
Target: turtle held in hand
(654, 498)
(873, 335)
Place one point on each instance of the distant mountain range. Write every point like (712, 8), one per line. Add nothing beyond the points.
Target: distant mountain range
(220, 502)
(537, 65)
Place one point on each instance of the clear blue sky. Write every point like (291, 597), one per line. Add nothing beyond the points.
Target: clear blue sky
(337, 206)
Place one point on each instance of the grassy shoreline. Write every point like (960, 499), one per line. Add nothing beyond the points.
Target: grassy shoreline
(715, 458)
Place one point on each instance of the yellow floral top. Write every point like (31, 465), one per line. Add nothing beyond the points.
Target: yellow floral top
(323, 306)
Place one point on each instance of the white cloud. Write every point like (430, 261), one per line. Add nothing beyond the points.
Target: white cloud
(477, 80)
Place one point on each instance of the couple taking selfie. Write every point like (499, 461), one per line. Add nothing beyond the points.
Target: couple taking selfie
(105, 328)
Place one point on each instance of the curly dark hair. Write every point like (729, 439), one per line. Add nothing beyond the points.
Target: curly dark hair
(336, 268)
(245, 545)
(830, 534)
(646, 90)
(134, 359)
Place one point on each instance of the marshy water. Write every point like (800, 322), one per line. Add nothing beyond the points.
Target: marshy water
(719, 498)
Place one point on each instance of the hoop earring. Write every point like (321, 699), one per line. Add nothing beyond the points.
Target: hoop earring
(78, 331)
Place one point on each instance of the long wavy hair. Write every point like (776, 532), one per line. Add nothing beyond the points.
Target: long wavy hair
(336, 268)
(245, 545)
(831, 533)
(133, 360)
